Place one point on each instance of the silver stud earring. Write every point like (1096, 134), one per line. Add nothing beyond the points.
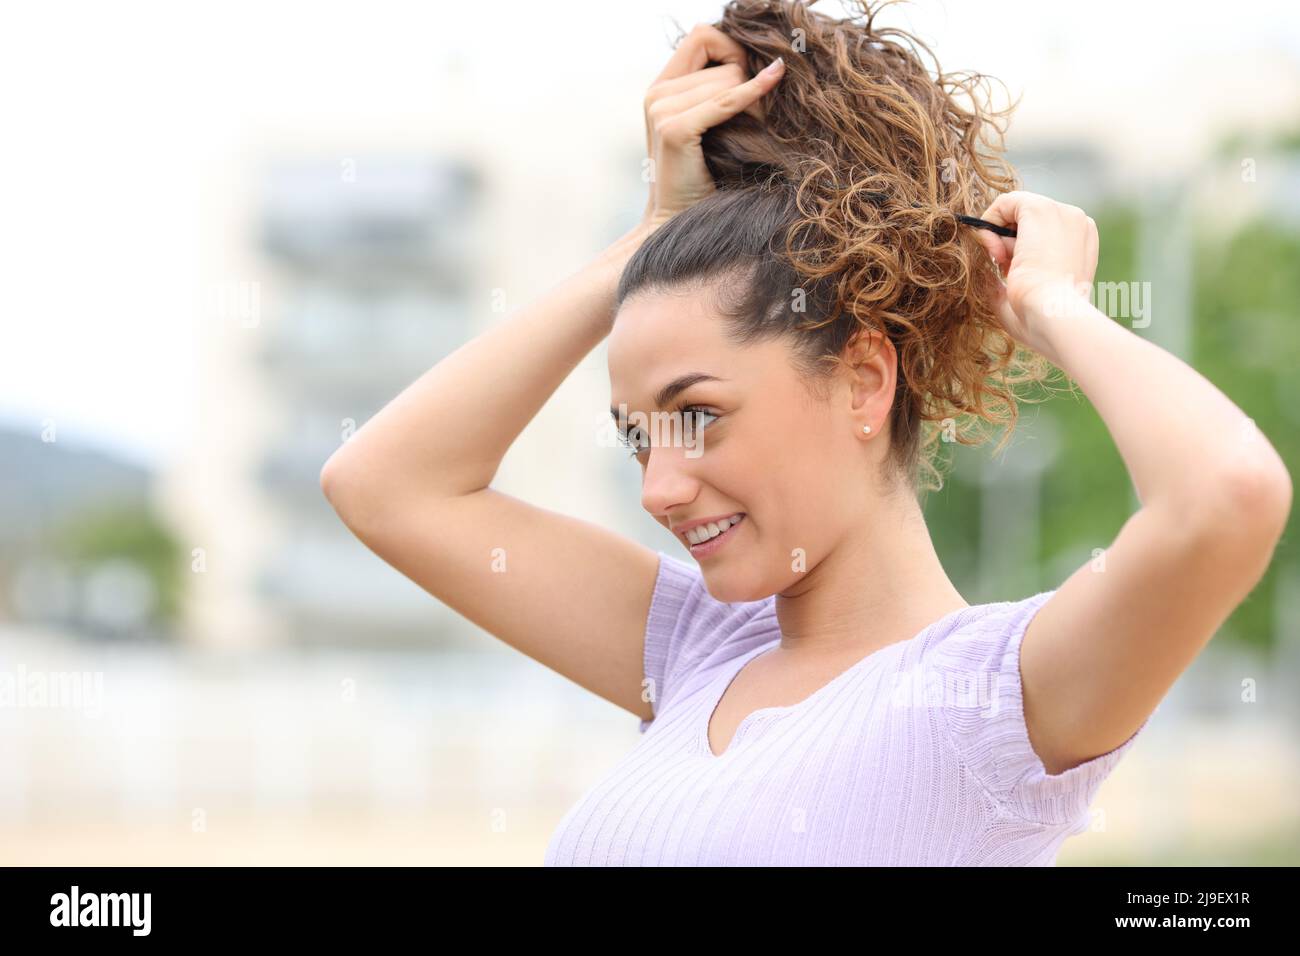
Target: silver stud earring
(866, 428)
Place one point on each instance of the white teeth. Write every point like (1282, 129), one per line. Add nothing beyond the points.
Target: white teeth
(711, 530)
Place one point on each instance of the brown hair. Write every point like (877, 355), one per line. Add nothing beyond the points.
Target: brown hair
(838, 214)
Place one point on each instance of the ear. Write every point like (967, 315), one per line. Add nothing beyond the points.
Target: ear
(867, 345)
(873, 363)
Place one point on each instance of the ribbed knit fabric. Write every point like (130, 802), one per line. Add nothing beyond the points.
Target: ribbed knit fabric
(917, 755)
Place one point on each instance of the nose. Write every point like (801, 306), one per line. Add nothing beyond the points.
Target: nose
(667, 480)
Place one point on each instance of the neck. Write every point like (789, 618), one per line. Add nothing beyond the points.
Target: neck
(882, 582)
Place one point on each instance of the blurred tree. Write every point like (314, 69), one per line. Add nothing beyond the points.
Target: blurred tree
(1246, 340)
(127, 532)
(1086, 495)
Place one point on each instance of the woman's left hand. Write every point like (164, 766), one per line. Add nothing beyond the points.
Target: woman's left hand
(685, 101)
(1051, 261)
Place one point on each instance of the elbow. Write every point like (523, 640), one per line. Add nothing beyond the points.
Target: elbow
(1253, 507)
(353, 494)
(1251, 499)
(339, 486)
(329, 479)
(1261, 491)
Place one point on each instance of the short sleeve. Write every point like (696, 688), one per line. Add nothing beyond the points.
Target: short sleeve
(985, 718)
(684, 627)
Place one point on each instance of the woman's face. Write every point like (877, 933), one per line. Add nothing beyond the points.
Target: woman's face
(744, 436)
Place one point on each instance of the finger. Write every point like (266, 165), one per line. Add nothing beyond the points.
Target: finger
(687, 99)
(1090, 255)
(710, 74)
(996, 247)
(1005, 210)
(702, 44)
(1006, 315)
(715, 77)
(722, 106)
(1002, 306)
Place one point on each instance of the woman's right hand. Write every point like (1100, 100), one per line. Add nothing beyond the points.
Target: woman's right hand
(685, 101)
(1050, 263)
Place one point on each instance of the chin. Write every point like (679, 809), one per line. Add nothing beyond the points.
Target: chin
(731, 588)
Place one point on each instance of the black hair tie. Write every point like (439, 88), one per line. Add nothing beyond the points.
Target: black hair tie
(1007, 231)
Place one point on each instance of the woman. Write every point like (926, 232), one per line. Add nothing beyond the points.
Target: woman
(797, 326)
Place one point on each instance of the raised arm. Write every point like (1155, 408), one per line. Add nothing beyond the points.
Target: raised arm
(413, 482)
(1105, 649)
(413, 485)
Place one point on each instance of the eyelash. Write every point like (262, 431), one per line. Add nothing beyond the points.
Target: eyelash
(627, 443)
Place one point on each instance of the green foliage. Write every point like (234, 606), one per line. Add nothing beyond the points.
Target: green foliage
(127, 532)
(1247, 343)
(1087, 495)
(1246, 340)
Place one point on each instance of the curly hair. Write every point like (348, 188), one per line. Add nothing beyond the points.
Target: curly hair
(837, 214)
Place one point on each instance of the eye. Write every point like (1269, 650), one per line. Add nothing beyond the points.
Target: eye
(693, 417)
(635, 443)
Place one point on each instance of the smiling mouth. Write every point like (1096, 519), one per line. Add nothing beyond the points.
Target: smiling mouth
(709, 532)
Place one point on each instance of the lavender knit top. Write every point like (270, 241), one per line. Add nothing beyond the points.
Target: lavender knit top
(917, 755)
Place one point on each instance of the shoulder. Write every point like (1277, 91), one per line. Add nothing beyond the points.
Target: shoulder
(983, 634)
(687, 628)
(681, 602)
(972, 672)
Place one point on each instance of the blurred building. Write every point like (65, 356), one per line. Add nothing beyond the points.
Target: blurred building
(370, 267)
(359, 275)
(344, 279)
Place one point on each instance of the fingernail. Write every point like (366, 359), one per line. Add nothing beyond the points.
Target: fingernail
(774, 65)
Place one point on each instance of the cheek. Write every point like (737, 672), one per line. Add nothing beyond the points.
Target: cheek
(802, 483)
(800, 449)
(772, 467)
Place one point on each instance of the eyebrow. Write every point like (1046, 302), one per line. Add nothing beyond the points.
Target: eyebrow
(674, 388)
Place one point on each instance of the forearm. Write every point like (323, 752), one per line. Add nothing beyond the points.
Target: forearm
(446, 434)
(1189, 450)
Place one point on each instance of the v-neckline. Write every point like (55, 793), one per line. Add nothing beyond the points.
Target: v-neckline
(728, 677)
